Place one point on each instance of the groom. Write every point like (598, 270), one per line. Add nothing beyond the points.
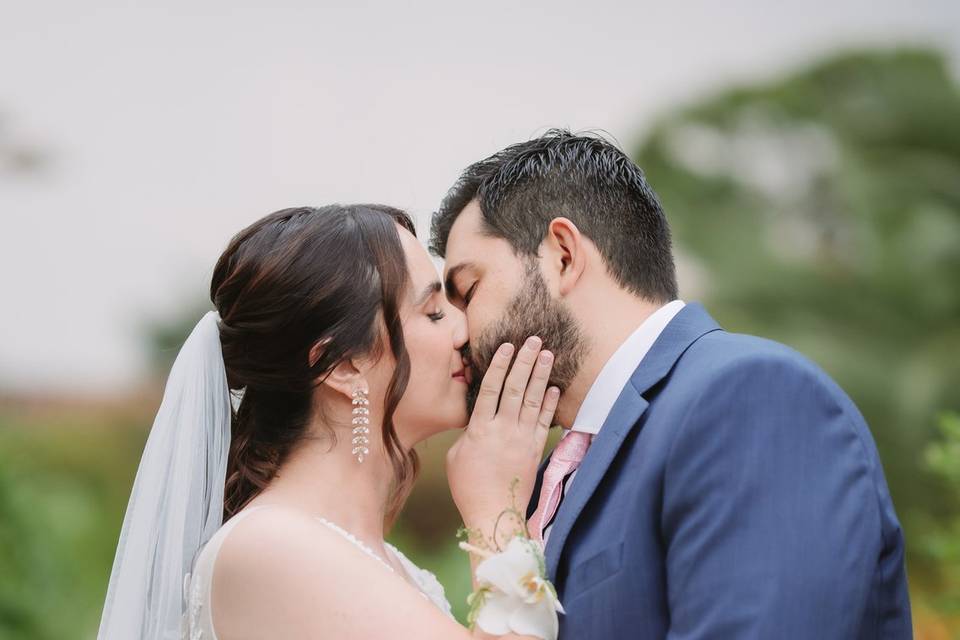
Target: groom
(710, 485)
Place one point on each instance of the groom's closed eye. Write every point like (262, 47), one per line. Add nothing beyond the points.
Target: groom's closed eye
(469, 294)
(453, 291)
(450, 283)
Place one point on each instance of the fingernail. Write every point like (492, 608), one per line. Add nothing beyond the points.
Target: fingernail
(533, 342)
(554, 392)
(545, 357)
(506, 349)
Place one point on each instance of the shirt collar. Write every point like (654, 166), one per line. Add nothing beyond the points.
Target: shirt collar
(619, 367)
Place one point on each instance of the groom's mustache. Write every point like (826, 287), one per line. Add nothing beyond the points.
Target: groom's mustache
(469, 366)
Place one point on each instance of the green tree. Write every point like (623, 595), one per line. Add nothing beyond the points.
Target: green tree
(942, 542)
(823, 210)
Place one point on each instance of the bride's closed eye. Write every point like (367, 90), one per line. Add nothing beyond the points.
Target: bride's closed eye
(436, 316)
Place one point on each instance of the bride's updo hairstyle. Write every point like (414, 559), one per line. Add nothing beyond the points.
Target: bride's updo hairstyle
(332, 276)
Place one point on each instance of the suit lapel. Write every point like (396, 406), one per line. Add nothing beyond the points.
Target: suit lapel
(626, 411)
(686, 327)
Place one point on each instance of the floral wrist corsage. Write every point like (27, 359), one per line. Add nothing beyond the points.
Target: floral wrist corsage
(513, 594)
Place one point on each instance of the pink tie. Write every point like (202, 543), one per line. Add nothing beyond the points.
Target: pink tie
(565, 460)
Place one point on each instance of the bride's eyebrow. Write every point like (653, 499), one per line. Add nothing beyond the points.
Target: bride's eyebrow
(429, 290)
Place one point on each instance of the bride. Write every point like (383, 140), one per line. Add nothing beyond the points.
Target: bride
(282, 452)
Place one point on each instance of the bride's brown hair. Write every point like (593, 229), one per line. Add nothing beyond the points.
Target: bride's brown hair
(295, 279)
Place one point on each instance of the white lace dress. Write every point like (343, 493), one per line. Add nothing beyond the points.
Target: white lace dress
(198, 620)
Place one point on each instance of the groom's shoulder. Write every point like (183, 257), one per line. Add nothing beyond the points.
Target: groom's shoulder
(720, 355)
(742, 375)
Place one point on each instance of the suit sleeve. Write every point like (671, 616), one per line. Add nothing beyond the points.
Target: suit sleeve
(770, 517)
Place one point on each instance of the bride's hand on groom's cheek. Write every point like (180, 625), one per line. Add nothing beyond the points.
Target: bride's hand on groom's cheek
(505, 438)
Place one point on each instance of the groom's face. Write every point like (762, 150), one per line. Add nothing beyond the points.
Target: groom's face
(505, 299)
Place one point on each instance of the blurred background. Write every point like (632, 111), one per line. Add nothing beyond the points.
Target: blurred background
(808, 158)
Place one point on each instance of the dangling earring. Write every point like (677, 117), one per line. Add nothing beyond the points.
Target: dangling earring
(361, 424)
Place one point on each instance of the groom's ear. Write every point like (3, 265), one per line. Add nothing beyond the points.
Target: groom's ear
(565, 254)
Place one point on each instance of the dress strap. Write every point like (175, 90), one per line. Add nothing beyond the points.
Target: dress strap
(424, 582)
(197, 585)
(356, 541)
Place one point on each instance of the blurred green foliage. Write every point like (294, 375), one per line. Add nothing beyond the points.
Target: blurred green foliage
(941, 540)
(64, 484)
(821, 210)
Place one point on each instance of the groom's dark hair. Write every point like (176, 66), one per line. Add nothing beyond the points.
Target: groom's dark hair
(583, 178)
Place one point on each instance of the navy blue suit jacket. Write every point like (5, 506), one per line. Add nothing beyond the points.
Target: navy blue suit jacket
(734, 491)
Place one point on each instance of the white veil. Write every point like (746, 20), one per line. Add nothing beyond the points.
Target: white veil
(177, 499)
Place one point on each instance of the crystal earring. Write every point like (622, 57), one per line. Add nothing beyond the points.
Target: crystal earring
(361, 424)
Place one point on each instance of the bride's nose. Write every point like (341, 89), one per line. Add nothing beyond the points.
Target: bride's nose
(460, 333)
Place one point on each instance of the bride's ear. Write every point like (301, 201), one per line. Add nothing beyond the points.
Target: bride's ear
(345, 378)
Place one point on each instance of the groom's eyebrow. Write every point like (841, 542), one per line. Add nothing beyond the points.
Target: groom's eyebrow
(451, 274)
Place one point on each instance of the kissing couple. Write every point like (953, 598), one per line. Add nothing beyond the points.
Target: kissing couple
(707, 484)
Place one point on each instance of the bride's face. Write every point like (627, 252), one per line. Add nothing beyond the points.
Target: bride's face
(434, 332)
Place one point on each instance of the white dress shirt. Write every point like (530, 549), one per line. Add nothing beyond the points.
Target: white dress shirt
(614, 377)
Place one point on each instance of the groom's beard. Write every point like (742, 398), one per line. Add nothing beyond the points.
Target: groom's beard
(531, 312)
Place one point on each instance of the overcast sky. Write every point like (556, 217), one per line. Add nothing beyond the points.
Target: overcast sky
(171, 127)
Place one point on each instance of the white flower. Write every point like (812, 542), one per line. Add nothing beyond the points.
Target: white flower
(519, 597)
